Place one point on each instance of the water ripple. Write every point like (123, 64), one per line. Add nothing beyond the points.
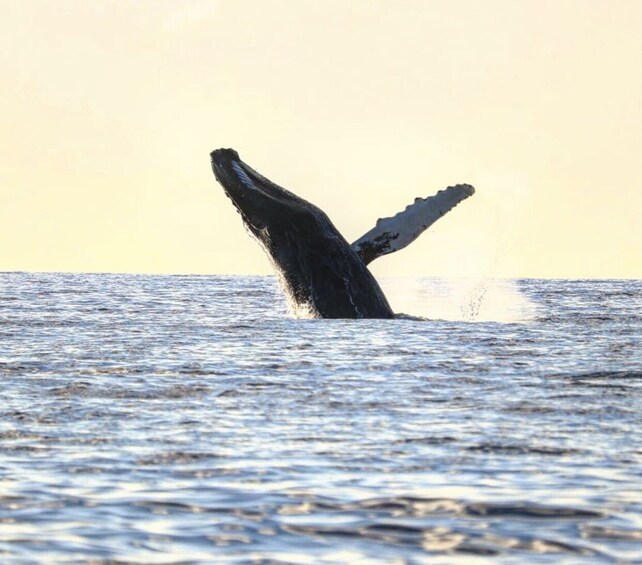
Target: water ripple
(189, 419)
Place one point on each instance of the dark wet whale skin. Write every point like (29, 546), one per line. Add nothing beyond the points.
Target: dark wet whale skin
(317, 267)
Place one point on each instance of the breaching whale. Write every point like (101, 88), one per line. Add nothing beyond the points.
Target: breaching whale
(320, 272)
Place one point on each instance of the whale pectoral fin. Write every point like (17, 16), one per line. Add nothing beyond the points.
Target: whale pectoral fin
(398, 231)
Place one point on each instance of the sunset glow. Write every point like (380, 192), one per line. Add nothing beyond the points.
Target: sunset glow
(109, 111)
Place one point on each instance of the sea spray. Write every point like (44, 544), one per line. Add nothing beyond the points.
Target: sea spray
(471, 300)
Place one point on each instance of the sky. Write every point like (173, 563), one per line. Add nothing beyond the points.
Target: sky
(109, 110)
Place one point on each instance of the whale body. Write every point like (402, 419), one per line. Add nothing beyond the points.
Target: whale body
(322, 275)
(320, 272)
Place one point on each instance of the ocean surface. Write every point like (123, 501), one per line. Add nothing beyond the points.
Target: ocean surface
(166, 419)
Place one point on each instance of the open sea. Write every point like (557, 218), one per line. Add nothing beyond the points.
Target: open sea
(190, 419)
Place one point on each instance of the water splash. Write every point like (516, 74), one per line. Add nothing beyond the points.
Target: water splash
(470, 300)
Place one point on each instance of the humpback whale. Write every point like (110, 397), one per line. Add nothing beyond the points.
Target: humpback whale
(320, 272)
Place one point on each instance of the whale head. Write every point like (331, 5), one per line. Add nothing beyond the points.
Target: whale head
(268, 210)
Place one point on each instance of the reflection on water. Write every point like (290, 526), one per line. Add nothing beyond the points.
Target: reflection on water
(165, 419)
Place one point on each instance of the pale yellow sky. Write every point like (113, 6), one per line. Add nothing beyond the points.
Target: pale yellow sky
(109, 110)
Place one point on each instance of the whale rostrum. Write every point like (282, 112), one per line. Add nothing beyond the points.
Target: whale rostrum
(323, 276)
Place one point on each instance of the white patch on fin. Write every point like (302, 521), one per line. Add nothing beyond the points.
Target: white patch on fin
(409, 224)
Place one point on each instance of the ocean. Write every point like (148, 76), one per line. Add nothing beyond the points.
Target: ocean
(190, 419)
